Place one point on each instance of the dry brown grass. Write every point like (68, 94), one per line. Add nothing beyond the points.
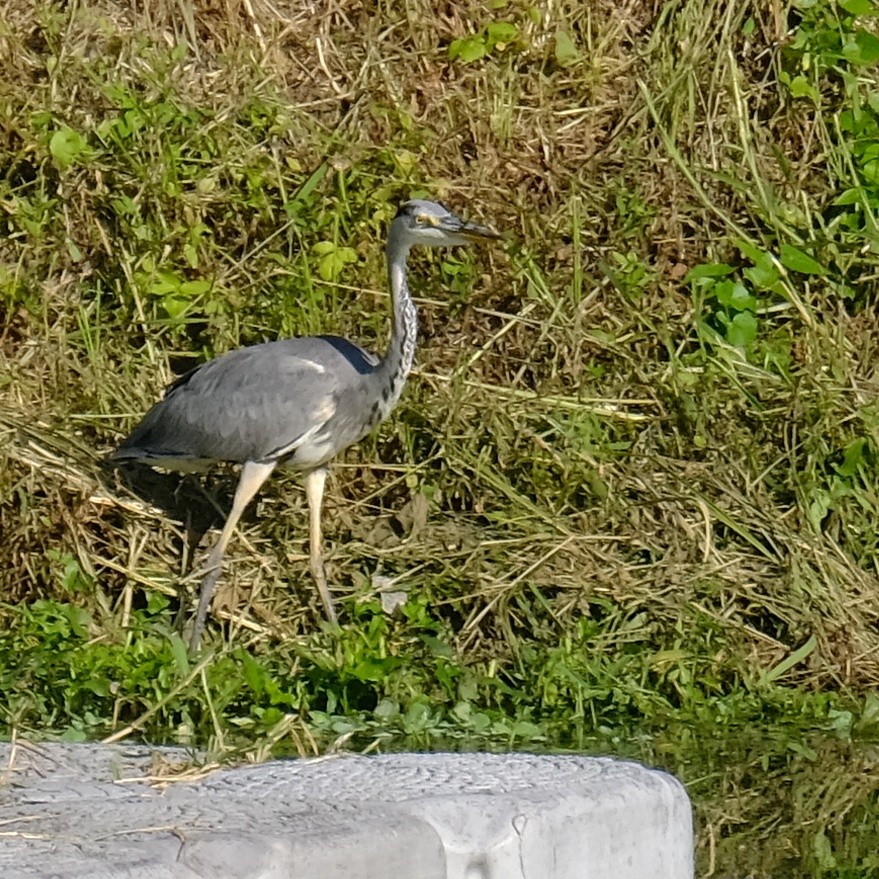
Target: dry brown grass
(521, 390)
(571, 446)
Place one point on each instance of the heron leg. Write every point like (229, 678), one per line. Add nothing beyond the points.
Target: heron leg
(253, 475)
(314, 491)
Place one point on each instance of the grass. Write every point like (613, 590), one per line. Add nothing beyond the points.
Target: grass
(628, 501)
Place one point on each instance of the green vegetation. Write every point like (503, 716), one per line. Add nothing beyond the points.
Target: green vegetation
(628, 503)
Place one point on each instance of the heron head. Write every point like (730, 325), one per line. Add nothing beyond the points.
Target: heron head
(433, 225)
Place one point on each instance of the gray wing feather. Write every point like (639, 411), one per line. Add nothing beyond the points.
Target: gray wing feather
(252, 404)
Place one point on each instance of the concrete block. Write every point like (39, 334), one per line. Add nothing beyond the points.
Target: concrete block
(70, 811)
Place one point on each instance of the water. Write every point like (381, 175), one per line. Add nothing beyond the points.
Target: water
(776, 802)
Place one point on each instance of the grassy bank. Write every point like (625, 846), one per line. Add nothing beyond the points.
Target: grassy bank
(630, 492)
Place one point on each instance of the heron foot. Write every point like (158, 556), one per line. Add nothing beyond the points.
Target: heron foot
(208, 584)
(320, 578)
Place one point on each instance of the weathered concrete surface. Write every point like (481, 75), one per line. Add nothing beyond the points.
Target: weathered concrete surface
(99, 812)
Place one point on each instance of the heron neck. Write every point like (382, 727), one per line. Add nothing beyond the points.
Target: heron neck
(397, 362)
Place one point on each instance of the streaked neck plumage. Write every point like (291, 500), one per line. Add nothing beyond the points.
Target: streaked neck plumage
(397, 362)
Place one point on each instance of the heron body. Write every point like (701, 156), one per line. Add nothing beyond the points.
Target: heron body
(294, 402)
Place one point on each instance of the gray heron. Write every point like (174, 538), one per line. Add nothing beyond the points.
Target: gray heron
(294, 402)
